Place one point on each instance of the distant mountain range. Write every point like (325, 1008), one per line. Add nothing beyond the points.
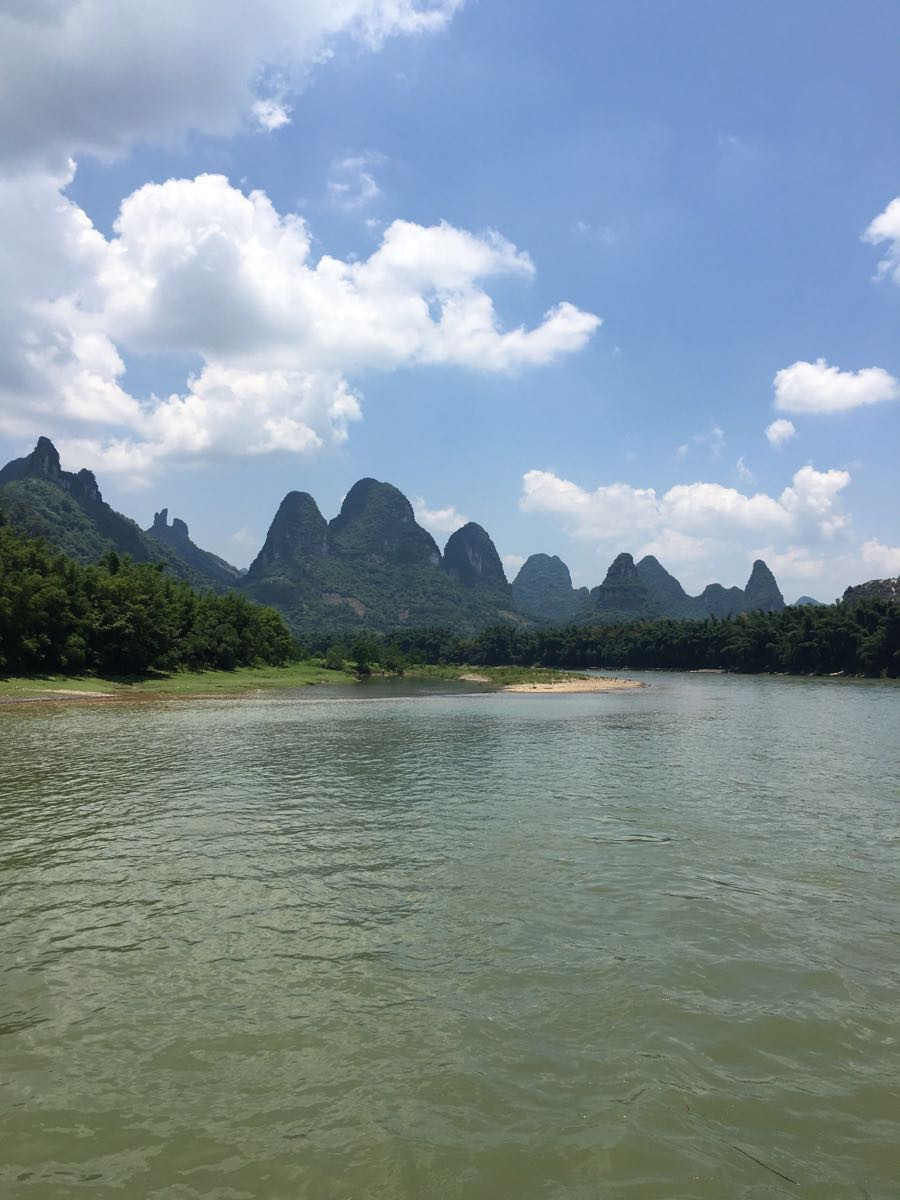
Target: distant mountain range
(372, 566)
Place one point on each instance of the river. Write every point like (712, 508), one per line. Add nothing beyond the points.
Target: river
(401, 941)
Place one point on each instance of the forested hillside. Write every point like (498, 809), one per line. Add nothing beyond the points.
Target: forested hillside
(120, 617)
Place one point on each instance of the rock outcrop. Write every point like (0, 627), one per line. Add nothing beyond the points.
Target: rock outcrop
(204, 562)
(874, 589)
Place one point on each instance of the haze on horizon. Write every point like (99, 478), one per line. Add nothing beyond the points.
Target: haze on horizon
(605, 278)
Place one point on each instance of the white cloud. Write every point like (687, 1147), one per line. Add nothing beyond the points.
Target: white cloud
(352, 184)
(198, 268)
(438, 520)
(693, 523)
(780, 432)
(81, 77)
(670, 546)
(512, 563)
(794, 563)
(814, 498)
(270, 114)
(884, 559)
(886, 228)
(818, 388)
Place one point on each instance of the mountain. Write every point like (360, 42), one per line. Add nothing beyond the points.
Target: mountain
(664, 591)
(543, 589)
(762, 593)
(298, 532)
(471, 558)
(67, 510)
(377, 525)
(874, 589)
(801, 600)
(622, 596)
(374, 567)
(207, 565)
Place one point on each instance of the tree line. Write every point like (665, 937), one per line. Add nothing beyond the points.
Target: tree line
(122, 618)
(119, 617)
(858, 638)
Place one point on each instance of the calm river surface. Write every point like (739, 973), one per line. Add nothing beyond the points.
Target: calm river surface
(401, 942)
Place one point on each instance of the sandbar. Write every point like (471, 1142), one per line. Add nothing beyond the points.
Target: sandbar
(594, 683)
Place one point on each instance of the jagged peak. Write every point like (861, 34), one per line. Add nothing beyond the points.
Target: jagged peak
(177, 531)
(621, 567)
(45, 449)
(44, 463)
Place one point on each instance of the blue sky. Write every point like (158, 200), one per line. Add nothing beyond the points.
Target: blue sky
(712, 181)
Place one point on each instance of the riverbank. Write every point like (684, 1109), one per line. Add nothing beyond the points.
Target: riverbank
(186, 684)
(224, 684)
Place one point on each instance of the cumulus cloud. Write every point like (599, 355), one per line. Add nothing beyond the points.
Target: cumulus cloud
(886, 228)
(780, 432)
(692, 523)
(818, 388)
(80, 77)
(199, 269)
(438, 520)
(883, 559)
(512, 563)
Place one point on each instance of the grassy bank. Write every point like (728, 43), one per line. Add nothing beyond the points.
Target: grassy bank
(180, 683)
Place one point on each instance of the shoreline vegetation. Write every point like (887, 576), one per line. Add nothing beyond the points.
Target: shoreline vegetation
(119, 628)
(243, 680)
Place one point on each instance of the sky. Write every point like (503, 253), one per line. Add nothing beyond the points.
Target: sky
(601, 275)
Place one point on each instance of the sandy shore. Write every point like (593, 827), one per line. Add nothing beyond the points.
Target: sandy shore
(589, 684)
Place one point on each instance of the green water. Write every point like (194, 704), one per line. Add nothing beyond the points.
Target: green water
(399, 941)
